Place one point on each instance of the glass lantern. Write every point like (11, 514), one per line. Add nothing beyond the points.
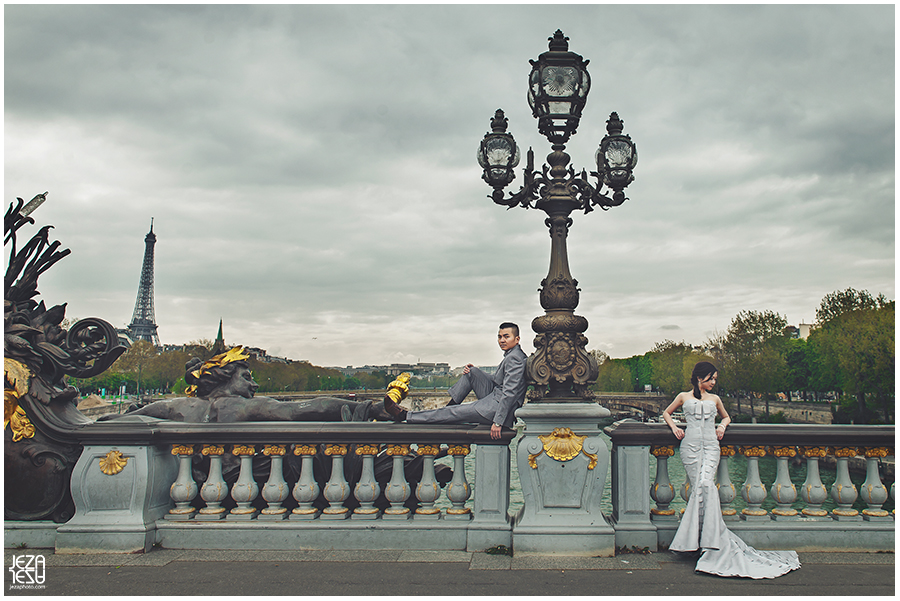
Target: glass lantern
(557, 90)
(498, 153)
(617, 156)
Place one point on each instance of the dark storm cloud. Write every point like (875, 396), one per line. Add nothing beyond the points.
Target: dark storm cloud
(311, 168)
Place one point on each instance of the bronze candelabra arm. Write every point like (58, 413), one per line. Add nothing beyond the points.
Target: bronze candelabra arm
(529, 191)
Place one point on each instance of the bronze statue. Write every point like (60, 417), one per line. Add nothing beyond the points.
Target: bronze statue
(222, 391)
(38, 404)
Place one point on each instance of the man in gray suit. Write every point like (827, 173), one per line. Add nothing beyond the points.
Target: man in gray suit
(498, 396)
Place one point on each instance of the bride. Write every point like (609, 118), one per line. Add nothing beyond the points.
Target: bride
(702, 526)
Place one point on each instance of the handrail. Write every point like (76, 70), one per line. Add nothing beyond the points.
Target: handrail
(627, 433)
(145, 430)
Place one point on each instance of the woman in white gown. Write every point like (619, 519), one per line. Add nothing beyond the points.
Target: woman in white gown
(702, 526)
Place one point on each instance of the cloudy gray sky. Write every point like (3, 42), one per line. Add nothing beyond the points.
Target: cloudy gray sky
(311, 169)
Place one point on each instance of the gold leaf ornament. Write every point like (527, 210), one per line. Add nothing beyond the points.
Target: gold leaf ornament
(16, 381)
(235, 354)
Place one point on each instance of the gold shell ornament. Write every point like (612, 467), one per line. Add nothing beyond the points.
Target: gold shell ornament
(113, 463)
(563, 445)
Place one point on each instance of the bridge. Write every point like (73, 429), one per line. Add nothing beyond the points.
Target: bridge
(648, 404)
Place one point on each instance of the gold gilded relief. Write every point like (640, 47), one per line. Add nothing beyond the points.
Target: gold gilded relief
(844, 452)
(212, 449)
(274, 449)
(397, 449)
(753, 452)
(462, 449)
(335, 449)
(428, 449)
(870, 452)
(814, 452)
(183, 449)
(563, 445)
(113, 463)
(17, 379)
(662, 450)
(305, 449)
(783, 452)
(727, 451)
(367, 449)
(243, 449)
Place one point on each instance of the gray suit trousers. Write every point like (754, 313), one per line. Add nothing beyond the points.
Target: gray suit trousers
(456, 412)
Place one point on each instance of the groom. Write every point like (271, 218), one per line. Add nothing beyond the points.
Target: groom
(498, 396)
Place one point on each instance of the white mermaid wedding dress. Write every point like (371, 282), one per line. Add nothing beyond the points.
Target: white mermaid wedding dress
(702, 526)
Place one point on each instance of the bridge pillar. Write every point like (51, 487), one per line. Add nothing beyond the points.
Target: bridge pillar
(562, 462)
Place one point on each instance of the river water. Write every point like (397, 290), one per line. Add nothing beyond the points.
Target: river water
(737, 470)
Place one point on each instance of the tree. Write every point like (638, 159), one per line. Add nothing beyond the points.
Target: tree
(136, 359)
(855, 345)
(667, 360)
(752, 353)
(838, 303)
(798, 372)
(615, 376)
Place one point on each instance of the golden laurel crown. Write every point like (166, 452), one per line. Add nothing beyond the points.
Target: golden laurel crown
(235, 354)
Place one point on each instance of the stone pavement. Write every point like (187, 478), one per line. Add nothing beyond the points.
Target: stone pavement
(434, 573)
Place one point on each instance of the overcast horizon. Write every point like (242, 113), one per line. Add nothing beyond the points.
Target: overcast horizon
(310, 170)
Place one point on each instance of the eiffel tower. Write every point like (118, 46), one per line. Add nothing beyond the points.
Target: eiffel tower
(143, 322)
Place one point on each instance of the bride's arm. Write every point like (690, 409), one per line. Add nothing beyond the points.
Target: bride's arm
(667, 416)
(726, 419)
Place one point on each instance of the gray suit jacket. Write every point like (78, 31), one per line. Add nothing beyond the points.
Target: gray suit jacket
(509, 391)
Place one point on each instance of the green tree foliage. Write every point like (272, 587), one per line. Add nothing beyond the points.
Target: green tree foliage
(667, 362)
(753, 354)
(135, 360)
(855, 346)
(615, 376)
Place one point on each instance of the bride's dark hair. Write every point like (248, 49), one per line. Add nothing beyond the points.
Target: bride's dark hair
(702, 370)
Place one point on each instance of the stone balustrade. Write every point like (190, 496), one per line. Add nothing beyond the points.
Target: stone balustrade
(807, 526)
(268, 485)
(316, 485)
(305, 491)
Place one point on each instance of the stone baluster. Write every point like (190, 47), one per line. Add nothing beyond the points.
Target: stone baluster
(813, 492)
(843, 491)
(276, 489)
(874, 492)
(458, 491)
(184, 489)
(306, 490)
(893, 498)
(753, 491)
(398, 489)
(245, 489)
(428, 490)
(783, 490)
(337, 489)
(367, 489)
(727, 490)
(214, 490)
(661, 491)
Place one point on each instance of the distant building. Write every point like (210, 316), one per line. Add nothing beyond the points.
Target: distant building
(805, 329)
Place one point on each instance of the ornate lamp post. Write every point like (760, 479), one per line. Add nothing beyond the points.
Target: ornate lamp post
(562, 458)
(560, 368)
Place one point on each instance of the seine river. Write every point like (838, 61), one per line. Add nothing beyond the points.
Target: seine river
(737, 470)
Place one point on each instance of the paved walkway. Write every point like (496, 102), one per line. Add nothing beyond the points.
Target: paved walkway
(173, 572)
